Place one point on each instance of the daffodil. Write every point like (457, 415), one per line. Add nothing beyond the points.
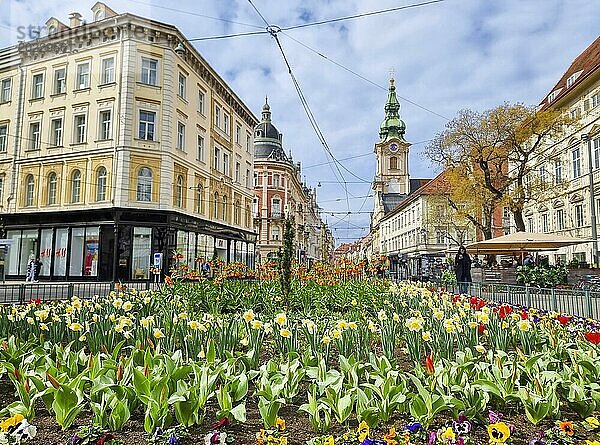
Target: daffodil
(158, 334)
(426, 335)
(414, 324)
(326, 340)
(480, 348)
(256, 324)
(285, 333)
(524, 325)
(249, 315)
(75, 327)
(281, 319)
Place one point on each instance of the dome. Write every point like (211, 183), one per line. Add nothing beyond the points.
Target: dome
(266, 130)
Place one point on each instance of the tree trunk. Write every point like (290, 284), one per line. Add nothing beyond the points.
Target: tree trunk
(519, 221)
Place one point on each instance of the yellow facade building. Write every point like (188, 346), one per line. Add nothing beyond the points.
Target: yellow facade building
(118, 141)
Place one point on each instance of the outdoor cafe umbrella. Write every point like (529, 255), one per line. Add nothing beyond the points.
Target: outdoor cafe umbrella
(524, 241)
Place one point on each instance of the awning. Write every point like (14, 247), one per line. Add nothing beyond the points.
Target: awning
(524, 241)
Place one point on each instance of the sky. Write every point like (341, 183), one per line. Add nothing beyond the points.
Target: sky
(445, 56)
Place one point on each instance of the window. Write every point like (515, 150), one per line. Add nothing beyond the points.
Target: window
(247, 216)
(595, 99)
(3, 137)
(248, 142)
(275, 233)
(5, 90)
(29, 190)
(560, 219)
(146, 130)
(238, 134)
(248, 185)
(255, 179)
(1, 188)
(52, 184)
(236, 213)
(576, 163)
(543, 176)
(217, 158)
(144, 185)
(579, 215)
(76, 186)
(557, 172)
(574, 113)
(199, 198)
(276, 208)
(255, 207)
(37, 90)
(57, 132)
(200, 148)
(101, 184)
(226, 123)
(224, 208)
(597, 152)
(393, 163)
(60, 81)
(201, 101)
(237, 171)
(34, 135)
(108, 70)
(83, 76)
(226, 164)
(80, 122)
(572, 78)
(217, 116)
(545, 227)
(530, 224)
(216, 206)
(181, 90)
(180, 136)
(105, 125)
(149, 71)
(179, 191)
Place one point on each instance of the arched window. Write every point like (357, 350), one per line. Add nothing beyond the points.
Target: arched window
(275, 233)
(199, 198)
(144, 185)
(52, 184)
(255, 207)
(76, 186)
(29, 190)
(179, 191)
(224, 208)
(216, 206)
(276, 207)
(236, 213)
(101, 184)
(393, 163)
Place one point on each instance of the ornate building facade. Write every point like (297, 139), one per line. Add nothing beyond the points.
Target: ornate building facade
(118, 142)
(279, 194)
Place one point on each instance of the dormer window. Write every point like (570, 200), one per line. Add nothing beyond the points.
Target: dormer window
(99, 15)
(553, 95)
(572, 78)
(51, 29)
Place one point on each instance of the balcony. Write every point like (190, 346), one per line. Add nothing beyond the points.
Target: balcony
(276, 214)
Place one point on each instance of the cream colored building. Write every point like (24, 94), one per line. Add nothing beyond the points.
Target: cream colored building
(422, 231)
(565, 165)
(118, 141)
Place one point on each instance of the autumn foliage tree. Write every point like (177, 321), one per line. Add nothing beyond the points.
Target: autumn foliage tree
(492, 159)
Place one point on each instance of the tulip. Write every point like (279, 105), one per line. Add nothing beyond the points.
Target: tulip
(429, 364)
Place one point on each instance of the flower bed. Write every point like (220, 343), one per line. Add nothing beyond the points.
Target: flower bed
(334, 360)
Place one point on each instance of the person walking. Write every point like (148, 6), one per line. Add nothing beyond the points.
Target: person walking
(37, 268)
(30, 270)
(462, 269)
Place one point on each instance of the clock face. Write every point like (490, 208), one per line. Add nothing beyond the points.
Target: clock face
(393, 147)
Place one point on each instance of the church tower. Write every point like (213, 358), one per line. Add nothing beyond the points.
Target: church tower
(391, 184)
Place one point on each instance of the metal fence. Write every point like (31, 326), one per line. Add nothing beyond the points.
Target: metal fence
(579, 302)
(23, 292)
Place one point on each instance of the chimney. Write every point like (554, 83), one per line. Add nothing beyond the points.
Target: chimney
(74, 19)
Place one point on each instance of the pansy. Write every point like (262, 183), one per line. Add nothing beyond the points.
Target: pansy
(499, 432)
(413, 427)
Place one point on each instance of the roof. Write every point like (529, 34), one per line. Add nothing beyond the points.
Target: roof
(586, 63)
(434, 186)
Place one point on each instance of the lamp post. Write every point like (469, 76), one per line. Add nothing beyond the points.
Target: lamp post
(586, 137)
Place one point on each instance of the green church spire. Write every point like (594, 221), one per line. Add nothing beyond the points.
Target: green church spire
(392, 126)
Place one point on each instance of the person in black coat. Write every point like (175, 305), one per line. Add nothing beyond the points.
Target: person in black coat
(462, 269)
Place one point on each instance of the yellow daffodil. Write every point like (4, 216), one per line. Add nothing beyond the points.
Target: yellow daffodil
(158, 334)
(381, 315)
(438, 315)
(352, 325)
(244, 341)
(118, 303)
(43, 326)
(341, 325)
(329, 440)
(280, 424)
(249, 315)
(194, 325)
(285, 333)
(256, 324)
(414, 324)
(524, 325)
(426, 335)
(281, 319)
(326, 340)
(75, 327)
(480, 349)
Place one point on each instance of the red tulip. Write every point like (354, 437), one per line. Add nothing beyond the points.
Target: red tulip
(524, 315)
(504, 311)
(563, 319)
(429, 364)
(593, 337)
(481, 328)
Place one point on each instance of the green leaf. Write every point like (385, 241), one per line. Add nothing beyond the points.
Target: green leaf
(239, 413)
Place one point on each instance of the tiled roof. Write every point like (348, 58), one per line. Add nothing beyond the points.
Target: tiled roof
(586, 63)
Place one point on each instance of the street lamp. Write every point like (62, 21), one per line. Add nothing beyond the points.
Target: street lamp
(586, 137)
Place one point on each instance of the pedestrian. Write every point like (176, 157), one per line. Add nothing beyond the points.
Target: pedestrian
(462, 269)
(529, 261)
(37, 268)
(205, 268)
(29, 276)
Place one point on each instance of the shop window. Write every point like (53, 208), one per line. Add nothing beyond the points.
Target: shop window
(60, 252)
(142, 252)
(46, 251)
